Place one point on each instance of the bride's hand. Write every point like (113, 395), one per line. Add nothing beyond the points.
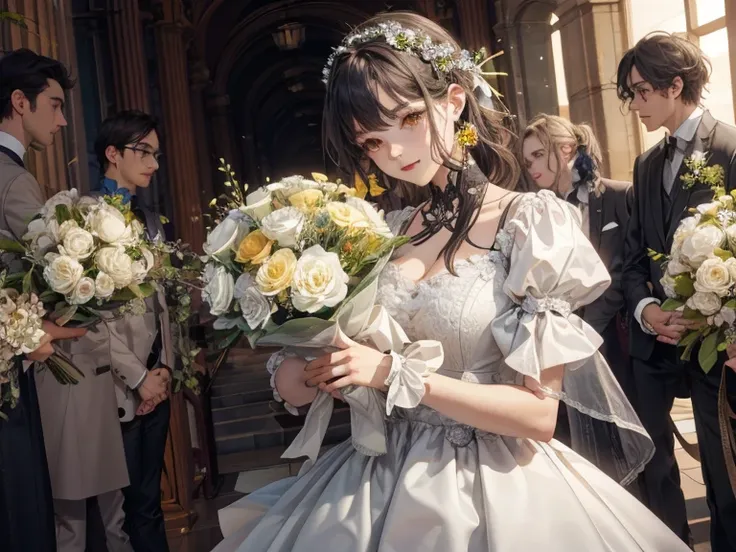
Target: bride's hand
(355, 365)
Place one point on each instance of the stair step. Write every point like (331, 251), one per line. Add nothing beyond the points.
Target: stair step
(272, 436)
(237, 387)
(246, 410)
(257, 459)
(241, 373)
(239, 399)
(269, 421)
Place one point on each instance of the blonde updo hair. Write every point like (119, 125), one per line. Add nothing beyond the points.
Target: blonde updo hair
(557, 133)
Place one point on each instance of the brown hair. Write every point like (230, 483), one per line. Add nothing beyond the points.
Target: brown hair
(660, 57)
(352, 97)
(555, 132)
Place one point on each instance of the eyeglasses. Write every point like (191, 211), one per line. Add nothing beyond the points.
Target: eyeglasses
(145, 153)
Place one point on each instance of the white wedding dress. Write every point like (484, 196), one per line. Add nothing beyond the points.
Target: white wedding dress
(447, 487)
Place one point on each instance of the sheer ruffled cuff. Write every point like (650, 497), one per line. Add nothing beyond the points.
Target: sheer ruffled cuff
(273, 364)
(405, 381)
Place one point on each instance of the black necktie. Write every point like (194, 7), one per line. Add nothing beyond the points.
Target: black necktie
(670, 147)
(14, 156)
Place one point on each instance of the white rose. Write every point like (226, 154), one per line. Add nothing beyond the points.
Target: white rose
(65, 197)
(41, 235)
(218, 291)
(375, 217)
(319, 280)
(675, 266)
(64, 228)
(116, 264)
(713, 276)
(283, 226)
(731, 266)
(255, 308)
(258, 204)
(78, 243)
(63, 273)
(704, 302)
(142, 267)
(709, 208)
(685, 230)
(731, 235)
(130, 237)
(701, 244)
(668, 283)
(222, 236)
(106, 223)
(725, 316)
(84, 291)
(104, 286)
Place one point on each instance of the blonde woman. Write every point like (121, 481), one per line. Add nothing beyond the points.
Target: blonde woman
(566, 158)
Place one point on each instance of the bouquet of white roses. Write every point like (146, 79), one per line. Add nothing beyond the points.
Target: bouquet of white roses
(290, 253)
(89, 258)
(700, 271)
(21, 318)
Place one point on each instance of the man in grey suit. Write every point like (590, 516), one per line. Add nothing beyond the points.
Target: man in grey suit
(31, 101)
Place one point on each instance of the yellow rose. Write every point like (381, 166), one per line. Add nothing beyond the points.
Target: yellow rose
(276, 273)
(306, 199)
(350, 192)
(344, 215)
(255, 248)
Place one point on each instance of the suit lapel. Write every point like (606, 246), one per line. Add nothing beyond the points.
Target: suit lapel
(682, 197)
(654, 188)
(595, 218)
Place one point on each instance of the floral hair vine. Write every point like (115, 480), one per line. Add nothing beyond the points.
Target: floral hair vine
(443, 57)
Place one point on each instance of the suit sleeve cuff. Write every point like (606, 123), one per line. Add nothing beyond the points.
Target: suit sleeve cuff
(140, 381)
(639, 309)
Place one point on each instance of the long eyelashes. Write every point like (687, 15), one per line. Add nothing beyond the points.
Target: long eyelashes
(410, 120)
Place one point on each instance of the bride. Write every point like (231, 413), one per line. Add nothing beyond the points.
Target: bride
(469, 463)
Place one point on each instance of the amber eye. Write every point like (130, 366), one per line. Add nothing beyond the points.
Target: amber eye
(412, 119)
(372, 145)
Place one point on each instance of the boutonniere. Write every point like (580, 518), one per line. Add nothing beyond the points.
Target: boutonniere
(699, 172)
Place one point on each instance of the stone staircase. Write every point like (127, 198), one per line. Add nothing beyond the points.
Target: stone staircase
(251, 429)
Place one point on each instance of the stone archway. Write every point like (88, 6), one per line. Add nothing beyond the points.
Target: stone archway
(532, 23)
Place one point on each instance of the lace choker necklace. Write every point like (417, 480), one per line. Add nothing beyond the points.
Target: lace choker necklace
(444, 204)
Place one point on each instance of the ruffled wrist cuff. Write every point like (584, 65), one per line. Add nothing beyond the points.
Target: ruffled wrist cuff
(405, 381)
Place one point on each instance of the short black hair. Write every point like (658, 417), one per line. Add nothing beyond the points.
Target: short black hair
(122, 129)
(28, 72)
(660, 57)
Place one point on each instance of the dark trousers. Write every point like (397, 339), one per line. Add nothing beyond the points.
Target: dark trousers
(145, 443)
(26, 507)
(658, 381)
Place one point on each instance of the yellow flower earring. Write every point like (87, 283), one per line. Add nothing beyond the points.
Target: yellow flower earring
(467, 136)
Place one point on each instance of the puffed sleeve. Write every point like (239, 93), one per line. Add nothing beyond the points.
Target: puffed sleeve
(553, 271)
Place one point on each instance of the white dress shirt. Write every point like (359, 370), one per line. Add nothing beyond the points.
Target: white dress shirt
(684, 134)
(12, 143)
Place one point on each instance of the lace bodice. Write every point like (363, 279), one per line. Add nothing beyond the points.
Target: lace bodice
(456, 311)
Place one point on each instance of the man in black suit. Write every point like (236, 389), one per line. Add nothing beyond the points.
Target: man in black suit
(662, 78)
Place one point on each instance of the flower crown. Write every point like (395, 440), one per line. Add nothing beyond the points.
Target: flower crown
(443, 57)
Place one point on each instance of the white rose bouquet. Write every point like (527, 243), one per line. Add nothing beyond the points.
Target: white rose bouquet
(290, 256)
(21, 318)
(89, 259)
(700, 275)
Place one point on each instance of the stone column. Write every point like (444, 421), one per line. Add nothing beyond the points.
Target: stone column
(220, 116)
(181, 149)
(199, 79)
(594, 38)
(128, 55)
